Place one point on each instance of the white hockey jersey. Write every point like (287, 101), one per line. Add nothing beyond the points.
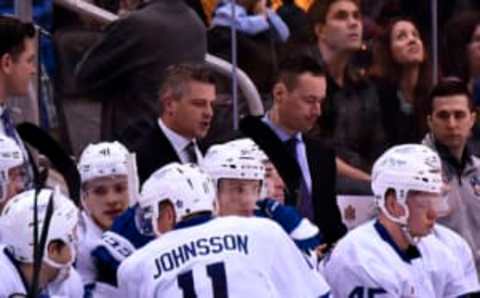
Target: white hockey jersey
(223, 257)
(460, 248)
(89, 235)
(367, 263)
(11, 281)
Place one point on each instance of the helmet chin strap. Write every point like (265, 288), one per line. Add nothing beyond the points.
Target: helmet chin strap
(413, 240)
(402, 221)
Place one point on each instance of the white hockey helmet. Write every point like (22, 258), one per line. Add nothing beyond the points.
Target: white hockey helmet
(248, 146)
(405, 168)
(186, 186)
(18, 224)
(10, 157)
(103, 159)
(228, 162)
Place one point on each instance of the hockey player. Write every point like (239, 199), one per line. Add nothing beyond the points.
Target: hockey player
(210, 257)
(395, 255)
(238, 176)
(241, 163)
(103, 170)
(273, 185)
(233, 161)
(12, 170)
(57, 278)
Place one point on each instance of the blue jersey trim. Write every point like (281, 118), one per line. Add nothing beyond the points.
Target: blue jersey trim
(196, 220)
(407, 256)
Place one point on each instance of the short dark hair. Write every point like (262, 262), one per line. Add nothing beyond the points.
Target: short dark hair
(318, 10)
(295, 65)
(13, 33)
(447, 87)
(176, 76)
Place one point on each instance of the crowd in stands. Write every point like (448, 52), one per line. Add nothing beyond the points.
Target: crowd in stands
(351, 107)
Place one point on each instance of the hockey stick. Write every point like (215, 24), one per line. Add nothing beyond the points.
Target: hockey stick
(46, 145)
(39, 247)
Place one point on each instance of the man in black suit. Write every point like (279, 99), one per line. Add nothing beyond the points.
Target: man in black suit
(307, 168)
(186, 100)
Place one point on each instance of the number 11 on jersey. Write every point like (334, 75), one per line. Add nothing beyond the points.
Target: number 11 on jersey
(217, 275)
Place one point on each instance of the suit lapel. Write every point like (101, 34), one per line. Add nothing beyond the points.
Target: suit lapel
(269, 142)
(164, 148)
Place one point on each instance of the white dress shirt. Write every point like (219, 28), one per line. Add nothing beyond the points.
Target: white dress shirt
(179, 143)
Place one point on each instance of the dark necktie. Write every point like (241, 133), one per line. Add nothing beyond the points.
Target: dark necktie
(304, 202)
(192, 155)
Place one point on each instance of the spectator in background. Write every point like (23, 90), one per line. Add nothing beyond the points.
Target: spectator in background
(351, 120)
(296, 19)
(403, 78)
(125, 67)
(307, 168)
(450, 119)
(251, 17)
(260, 34)
(461, 56)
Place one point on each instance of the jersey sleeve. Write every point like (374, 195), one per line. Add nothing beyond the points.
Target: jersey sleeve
(470, 275)
(306, 235)
(292, 274)
(126, 280)
(461, 276)
(116, 245)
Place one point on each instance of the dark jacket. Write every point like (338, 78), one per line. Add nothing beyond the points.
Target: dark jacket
(351, 119)
(124, 69)
(322, 166)
(153, 151)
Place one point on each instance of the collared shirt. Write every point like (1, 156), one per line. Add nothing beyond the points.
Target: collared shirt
(179, 143)
(301, 150)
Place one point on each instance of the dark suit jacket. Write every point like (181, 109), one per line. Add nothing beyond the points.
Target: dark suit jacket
(322, 166)
(153, 151)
